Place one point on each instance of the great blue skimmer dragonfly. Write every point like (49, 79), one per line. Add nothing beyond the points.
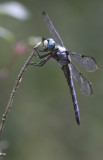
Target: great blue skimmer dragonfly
(64, 57)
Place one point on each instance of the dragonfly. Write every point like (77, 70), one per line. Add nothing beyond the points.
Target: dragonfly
(54, 48)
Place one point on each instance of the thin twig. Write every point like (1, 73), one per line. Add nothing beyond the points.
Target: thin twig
(16, 85)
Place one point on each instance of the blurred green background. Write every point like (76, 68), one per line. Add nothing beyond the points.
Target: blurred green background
(41, 124)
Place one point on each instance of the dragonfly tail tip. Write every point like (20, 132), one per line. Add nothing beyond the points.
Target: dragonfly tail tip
(43, 13)
(78, 121)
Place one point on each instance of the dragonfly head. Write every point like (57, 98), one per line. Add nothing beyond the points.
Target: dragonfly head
(48, 43)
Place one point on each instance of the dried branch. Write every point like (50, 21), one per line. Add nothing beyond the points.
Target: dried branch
(16, 85)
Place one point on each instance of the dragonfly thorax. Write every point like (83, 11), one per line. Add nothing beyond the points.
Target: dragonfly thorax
(49, 44)
(62, 55)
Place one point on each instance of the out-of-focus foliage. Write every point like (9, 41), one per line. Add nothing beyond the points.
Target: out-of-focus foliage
(6, 34)
(3, 146)
(14, 9)
(41, 124)
(32, 40)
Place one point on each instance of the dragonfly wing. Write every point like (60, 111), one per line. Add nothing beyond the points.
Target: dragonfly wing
(52, 29)
(88, 63)
(84, 84)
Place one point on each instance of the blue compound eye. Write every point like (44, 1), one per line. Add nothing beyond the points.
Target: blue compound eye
(51, 43)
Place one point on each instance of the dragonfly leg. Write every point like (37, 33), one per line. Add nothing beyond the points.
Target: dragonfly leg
(41, 63)
(40, 50)
(42, 56)
(37, 64)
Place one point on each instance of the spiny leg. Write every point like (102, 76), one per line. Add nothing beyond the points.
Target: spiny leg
(43, 50)
(41, 63)
(43, 56)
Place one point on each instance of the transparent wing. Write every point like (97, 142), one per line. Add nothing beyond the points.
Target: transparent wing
(88, 63)
(84, 84)
(52, 29)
